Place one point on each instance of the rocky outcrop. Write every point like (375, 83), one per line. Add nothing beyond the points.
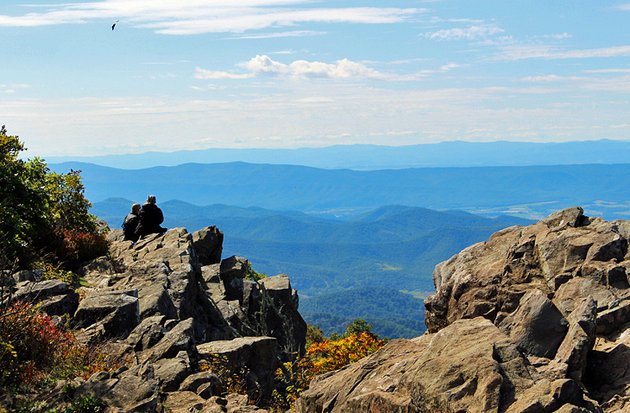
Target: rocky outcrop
(161, 307)
(533, 320)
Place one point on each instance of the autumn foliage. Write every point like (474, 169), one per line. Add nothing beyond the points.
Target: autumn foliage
(35, 347)
(322, 357)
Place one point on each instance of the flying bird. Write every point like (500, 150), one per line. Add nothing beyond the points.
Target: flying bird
(114, 25)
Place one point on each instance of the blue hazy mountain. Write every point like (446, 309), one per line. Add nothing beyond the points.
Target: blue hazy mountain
(529, 191)
(372, 157)
(333, 262)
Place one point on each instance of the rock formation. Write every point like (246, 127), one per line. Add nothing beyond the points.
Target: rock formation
(533, 320)
(170, 308)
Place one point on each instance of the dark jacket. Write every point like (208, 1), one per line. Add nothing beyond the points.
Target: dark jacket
(150, 219)
(129, 227)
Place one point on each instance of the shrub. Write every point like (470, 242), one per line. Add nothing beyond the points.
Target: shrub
(43, 212)
(35, 348)
(322, 357)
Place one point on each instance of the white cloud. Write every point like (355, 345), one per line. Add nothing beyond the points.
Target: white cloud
(264, 65)
(206, 16)
(467, 33)
(624, 7)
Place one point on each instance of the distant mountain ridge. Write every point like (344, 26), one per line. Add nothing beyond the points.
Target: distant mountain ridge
(373, 157)
(528, 191)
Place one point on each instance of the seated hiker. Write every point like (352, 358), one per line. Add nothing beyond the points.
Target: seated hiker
(150, 218)
(131, 223)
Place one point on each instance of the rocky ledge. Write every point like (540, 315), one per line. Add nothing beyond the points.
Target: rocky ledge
(533, 320)
(167, 306)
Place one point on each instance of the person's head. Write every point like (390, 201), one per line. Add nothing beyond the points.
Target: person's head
(151, 199)
(135, 208)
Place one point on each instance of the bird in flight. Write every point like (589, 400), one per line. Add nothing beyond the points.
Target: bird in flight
(114, 25)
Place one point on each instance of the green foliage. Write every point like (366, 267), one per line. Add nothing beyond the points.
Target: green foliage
(252, 274)
(85, 404)
(314, 334)
(52, 272)
(43, 212)
(358, 326)
(391, 313)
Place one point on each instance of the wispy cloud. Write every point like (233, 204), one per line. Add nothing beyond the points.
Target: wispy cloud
(12, 88)
(275, 35)
(207, 16)
(612, 70)
(523, 52)
(217, 75)
(624, 7)
(473, 32)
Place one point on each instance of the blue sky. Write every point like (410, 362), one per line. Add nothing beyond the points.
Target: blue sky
(177, 74)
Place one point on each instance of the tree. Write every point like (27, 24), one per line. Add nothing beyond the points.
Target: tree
(42, 213)
(358, 326)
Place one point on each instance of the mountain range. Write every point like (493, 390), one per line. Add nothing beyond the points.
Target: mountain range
(527, 191)
(372, 157)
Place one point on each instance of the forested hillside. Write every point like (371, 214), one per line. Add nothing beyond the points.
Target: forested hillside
(386, 250)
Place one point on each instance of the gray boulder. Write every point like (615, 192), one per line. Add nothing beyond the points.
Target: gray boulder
(256, 357)
(208, 244)
(116, 311)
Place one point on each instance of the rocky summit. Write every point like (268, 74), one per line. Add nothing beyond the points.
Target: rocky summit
(167, 306)
(535, 319)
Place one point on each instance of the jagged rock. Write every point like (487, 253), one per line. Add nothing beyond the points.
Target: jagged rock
(279, 289)
(208, 243)
(611, 319)
(28, 275)
(256, 356)
(533, 320)
(607, 373)
(172, 372)
(233, 272)
(118, 313)
(184, 296)
(580, 338)
(488, 279)
(278, 305)
(60, 304)
(194, 381)
(537, 327)
(136, 390)
(180, 338)
(469, 366)
(187, 401)
(147, 333)
(40, 290)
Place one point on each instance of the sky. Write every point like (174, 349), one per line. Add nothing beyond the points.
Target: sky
(197, 74)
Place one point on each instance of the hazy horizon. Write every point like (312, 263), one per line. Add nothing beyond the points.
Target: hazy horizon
(302, 73)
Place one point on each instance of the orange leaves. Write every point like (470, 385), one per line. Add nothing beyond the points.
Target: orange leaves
(329, 355)
(35, 346)
(322, 357)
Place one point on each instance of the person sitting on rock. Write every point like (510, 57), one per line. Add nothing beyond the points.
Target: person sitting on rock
(131, 223)
(150, 218)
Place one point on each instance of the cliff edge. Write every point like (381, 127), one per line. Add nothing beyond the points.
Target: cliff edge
(533, 320)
